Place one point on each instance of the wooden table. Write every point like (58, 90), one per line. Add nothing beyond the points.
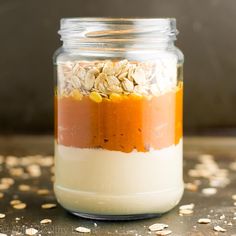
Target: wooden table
(213, 207)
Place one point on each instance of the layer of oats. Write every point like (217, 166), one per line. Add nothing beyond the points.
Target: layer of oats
(80, 78)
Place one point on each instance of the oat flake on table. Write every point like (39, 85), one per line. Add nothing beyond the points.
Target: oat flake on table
(164, 232)
(24, 187)
(45, 221)
(204, 221)
(19, 206)
(15, 201)
(81, 229)
(187, 207)
(222, 217)
(185, 212)
(43, 191)
(48, 205)
(31, 231)
(219, 229)
(157, 227)
(209, 191)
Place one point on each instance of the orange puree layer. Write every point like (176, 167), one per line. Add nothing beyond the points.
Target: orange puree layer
(124, 124)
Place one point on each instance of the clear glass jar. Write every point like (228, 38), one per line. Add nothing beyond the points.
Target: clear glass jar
(118, 117)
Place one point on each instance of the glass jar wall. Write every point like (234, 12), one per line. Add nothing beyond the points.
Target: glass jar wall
(118, 117)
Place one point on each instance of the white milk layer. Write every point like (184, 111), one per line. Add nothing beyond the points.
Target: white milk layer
(103, 182)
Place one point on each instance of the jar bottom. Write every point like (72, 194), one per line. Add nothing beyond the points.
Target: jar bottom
(116, 217)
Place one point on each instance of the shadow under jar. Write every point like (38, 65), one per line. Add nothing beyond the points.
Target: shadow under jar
(118, 118)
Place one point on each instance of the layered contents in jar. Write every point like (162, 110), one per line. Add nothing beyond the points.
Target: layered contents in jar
(118, 144)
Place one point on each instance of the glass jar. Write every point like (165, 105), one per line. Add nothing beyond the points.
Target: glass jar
(118, 117)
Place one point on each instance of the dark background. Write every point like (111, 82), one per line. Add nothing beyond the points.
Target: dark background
(29, 38)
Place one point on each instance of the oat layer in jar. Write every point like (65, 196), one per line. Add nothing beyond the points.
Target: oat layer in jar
(118, 118)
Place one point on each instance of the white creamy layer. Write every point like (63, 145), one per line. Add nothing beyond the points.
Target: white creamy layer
(107, 182)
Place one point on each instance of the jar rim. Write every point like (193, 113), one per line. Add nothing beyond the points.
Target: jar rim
(81, 31)
(117, 19)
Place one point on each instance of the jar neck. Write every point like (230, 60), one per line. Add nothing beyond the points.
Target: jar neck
(117, 34)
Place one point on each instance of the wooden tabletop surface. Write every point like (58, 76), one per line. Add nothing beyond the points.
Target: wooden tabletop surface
(200, 172)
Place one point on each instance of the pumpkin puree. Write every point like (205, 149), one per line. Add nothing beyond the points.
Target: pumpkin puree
(123, 124)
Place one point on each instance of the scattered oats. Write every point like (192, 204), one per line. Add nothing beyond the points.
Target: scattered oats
(191, 187)
(48, 205)
(164, 232)
(234, 197)
(222, 217)
(95, 225)
(219, 182)
(27, 160)
(187, 207)
(1, 234)
(234, 203)
(46, 161)
(194, 173)
(19, 206)
(206, 157)
(45, 221)
(219, 229)
(24, 187)
(8, 181)
(2, 215)
(82, 230)
(31, 231)
(16, 171)
(209, 191)
(204, 221)
(1, 195)
(4, 186)
(157, 227)
(230, 224)
(43, 191)
(232, 166)
(34, 170)
(17, 218)
(15, 201)
(12, 161)
(185, 212)
(234, 218)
